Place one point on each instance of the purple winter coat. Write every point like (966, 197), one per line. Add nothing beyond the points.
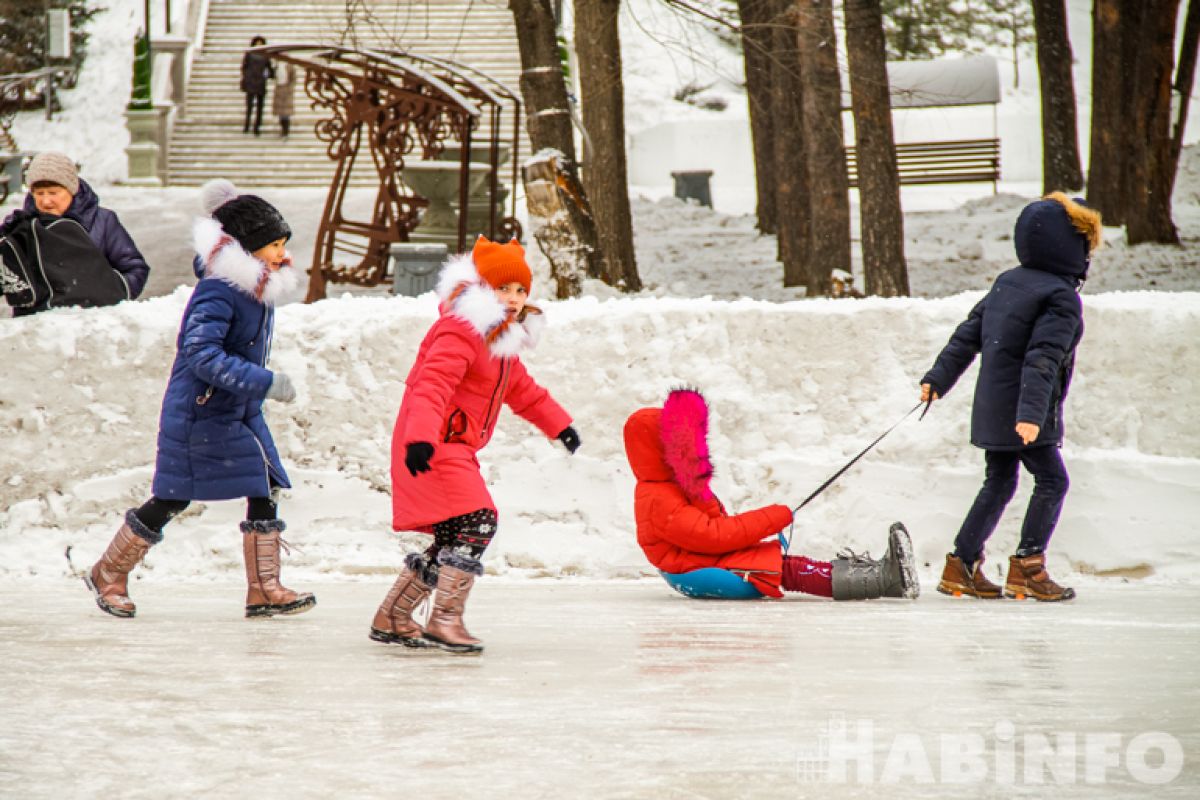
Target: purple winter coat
(107, 233)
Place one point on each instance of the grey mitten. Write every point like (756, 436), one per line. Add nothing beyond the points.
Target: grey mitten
(281, 389)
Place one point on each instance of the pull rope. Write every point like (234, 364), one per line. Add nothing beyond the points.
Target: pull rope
(787, 544)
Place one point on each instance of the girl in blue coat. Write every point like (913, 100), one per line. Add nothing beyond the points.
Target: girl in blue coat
(1026, 330)
(213, 443)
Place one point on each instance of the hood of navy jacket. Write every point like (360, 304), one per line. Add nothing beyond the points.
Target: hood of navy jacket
(1046, 240)
(82, 209)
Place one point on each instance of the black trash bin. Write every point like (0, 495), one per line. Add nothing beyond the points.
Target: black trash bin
(693, 185)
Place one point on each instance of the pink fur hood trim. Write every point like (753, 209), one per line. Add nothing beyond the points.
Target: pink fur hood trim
(684, 429)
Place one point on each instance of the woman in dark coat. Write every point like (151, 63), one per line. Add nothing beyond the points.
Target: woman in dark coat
(256, 70)
(213, 443)
(56, 188)
(1026, 330)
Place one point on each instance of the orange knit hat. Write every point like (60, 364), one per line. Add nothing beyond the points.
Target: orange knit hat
(499, 264)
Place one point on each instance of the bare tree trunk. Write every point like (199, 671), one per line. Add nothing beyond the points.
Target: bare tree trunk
(878, 179)
(1150, 177)
(825, 150)
(605, 178)
(789, 172)
(755, 18)
(1111, 77)
(1185, 77)
(560, 214)
(1060, 138)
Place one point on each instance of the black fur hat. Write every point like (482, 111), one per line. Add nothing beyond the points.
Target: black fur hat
(254, 222)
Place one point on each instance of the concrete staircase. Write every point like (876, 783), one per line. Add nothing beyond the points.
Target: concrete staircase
(208, 141)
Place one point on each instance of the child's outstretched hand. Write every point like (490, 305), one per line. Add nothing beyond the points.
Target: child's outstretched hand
(1028, 431)
(928, 395)
(281, 388)
(416, 457)
(570, 439)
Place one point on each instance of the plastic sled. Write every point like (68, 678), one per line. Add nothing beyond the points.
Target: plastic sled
(712, 583)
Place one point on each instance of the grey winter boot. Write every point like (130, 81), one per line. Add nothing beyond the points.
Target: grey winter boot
(860, 577)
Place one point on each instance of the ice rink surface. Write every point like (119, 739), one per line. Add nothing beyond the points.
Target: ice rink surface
(601, 689)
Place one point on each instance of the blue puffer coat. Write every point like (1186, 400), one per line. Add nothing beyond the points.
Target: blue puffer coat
(108, 234)
(213, 443)
(1026, 328)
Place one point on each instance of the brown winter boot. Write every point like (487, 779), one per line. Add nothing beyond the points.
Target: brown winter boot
(958, 581)
(109, 577)
(393, 623)
(445, 627)
(265, 595)
(1027, 577)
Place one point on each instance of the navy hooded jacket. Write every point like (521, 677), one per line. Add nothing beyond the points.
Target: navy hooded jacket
(107, 233)
(213, 441)
(1026, 329)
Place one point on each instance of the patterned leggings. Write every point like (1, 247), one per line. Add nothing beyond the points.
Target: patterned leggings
(466, 535)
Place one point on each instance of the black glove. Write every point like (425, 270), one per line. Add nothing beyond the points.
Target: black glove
(570, 439)
(416, 457)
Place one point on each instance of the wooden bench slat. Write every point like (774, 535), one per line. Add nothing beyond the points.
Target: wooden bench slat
(951, 161)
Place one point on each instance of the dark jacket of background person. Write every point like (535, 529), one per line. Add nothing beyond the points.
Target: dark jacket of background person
(256, 68)
(106, 232)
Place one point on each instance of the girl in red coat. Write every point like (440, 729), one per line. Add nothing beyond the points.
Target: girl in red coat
(682, 526)
(466, 368)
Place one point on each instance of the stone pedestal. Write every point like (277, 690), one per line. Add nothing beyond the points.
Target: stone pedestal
(478, 215)
(147, 145)
(438, 182)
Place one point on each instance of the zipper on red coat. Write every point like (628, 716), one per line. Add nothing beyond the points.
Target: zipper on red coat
(502, 381)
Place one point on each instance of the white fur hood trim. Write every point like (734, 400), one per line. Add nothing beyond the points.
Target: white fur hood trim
(232, 264)
(478, 306)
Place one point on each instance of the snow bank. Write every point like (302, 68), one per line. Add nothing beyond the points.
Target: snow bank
(796, 389)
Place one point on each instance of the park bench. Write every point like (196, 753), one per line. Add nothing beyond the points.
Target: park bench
(924, 163)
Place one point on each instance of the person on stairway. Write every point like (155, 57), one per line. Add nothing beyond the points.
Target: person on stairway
(213, 442)
(256, 71)
(283, 99)
(682, 526)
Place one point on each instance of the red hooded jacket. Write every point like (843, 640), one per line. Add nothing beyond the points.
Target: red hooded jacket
(466, 369)
(681, 525)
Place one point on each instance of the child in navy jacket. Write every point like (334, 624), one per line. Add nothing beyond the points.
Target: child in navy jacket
(1026, 330)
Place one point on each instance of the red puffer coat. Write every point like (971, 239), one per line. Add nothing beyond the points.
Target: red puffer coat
(681, 525)
(466, 368)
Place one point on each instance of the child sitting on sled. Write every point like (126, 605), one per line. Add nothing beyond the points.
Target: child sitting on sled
(682, 526)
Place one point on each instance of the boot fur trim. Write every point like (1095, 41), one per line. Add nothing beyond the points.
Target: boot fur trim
(140, 530)
(263, 526)
(449, 558)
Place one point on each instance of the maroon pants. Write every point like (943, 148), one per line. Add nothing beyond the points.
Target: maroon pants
(802, 574)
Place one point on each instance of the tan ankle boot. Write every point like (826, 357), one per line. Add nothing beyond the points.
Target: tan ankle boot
(265, 595)
(394, 623)
(959, 581)
(445, 627)
(108, 578)
(1027, 577)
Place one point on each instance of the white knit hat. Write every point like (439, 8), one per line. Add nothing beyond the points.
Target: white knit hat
(52, 167)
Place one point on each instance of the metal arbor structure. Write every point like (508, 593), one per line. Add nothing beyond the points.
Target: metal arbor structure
(394, 105)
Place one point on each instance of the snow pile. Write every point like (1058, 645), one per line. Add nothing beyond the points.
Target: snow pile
(796, 389)
(91, 126)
